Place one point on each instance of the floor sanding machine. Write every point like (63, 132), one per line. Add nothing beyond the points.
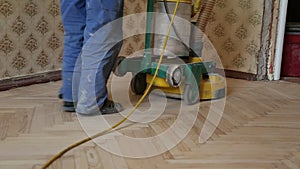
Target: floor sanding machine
(173, 67)
(182, 74)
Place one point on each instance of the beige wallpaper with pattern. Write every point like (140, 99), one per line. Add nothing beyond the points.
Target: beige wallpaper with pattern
(136, 43)
(30, 37)
(235, 30)
(31, 34)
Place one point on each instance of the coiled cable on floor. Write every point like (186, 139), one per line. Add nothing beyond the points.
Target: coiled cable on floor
(60, 154)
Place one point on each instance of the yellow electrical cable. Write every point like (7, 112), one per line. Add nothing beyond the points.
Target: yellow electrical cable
(60, 154)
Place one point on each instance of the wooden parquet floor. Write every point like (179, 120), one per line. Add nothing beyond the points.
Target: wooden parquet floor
(259, 129)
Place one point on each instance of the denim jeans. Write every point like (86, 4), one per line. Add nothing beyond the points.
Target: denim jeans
(92, 42)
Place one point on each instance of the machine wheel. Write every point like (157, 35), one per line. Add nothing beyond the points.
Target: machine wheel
(138, 84)
(205, 76)
(190, 96)
(116, 68)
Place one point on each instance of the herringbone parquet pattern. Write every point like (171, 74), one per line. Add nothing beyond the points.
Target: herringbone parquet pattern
(260, 129)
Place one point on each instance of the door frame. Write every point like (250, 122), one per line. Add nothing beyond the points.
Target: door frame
(280, 38)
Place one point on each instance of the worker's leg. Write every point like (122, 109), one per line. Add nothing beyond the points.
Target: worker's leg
(99, 52)
(74, 18)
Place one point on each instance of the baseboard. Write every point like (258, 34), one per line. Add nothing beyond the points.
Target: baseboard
(291, 79)
(7, 84)
(240, 75)
(15, 82)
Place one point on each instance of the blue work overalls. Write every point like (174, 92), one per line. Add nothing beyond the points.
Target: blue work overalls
(89, 52)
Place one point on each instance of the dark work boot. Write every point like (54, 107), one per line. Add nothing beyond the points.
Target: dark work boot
(110, 107)
(68, 107)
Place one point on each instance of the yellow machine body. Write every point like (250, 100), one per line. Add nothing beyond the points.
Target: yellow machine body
(210, 88)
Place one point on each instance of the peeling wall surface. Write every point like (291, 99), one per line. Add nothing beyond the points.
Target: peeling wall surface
(31, 34)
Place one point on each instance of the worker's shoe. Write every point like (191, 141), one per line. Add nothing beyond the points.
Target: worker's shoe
(60, 96)
(68, 106)
(110, 107)
(60, 93)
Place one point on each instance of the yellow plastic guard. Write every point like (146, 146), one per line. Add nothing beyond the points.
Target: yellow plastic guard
(208, 88)
(196, 7)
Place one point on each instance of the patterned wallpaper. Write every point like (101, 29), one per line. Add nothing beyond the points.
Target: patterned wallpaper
(31, 34)
(235, 30)
(137, 42)
(30, 37)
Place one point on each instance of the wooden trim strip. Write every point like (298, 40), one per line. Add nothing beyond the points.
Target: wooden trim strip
(241, 75)
(7, 84)
(236, 74)
(15, 82)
